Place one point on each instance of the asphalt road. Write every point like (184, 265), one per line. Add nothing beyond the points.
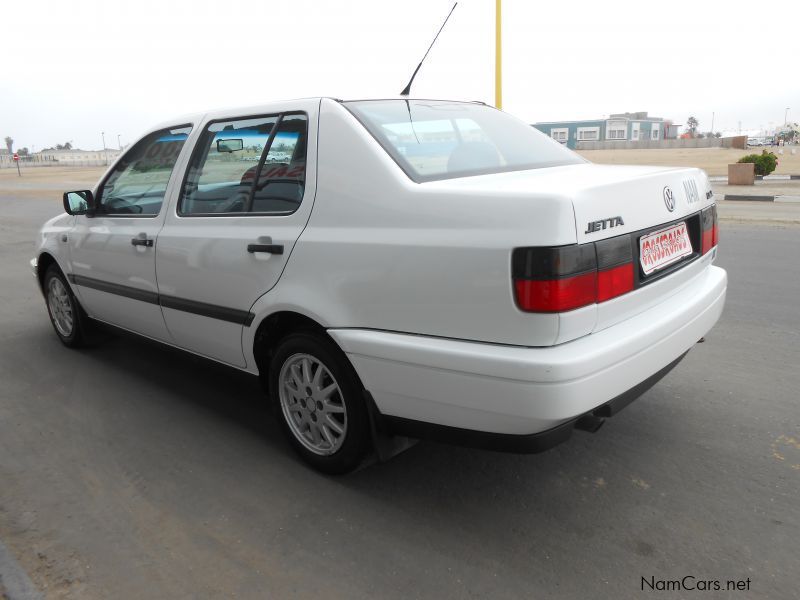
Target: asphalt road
(132, 471)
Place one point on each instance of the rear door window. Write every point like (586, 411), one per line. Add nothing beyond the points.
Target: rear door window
(247, 166)
(281, 181)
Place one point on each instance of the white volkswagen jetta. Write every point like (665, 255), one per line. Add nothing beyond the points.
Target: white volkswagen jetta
(419, 268)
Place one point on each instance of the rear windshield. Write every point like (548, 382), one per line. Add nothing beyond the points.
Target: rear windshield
(433, 139)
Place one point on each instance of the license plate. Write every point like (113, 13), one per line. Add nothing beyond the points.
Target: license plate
(664, 247)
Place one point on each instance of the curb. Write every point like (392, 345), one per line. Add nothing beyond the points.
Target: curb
(776, 177)
(721, 178)
(746, 197)
(778, 198)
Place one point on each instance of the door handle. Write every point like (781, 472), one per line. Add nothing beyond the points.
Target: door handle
(268, 248)
(142, 242)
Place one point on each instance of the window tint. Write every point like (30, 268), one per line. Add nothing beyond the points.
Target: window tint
(233, 155)
(138, 182)
(281, 181)
(438, 140)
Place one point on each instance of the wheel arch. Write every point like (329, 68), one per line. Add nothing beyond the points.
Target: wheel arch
(43, 262)
(275, 327)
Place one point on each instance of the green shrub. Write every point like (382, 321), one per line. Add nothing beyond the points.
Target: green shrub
(765, 162)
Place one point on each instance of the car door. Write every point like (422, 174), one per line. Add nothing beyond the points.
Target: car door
(112, 252)
(245, 199)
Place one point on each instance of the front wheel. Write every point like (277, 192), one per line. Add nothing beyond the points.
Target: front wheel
(66, 314)
(320, 401)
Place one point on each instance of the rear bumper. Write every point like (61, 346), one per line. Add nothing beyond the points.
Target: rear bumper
(508, 442)
(521, 391)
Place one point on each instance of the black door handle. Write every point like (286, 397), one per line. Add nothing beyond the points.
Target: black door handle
(142, 242)
(268, 248)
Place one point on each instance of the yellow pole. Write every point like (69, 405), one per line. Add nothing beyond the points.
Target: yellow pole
(498, 56)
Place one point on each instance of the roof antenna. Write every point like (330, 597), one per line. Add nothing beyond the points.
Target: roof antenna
(407, 89)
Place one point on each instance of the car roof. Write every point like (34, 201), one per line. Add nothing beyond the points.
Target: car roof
(281, 105)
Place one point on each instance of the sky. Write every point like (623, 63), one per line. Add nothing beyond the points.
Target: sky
(75, 68)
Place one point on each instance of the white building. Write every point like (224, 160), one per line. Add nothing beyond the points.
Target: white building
(80, 157)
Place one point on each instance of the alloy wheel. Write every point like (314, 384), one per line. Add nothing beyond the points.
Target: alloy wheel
(313, 404)
(60, 306)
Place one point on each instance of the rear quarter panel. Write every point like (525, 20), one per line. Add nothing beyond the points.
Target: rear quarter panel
(383, 252)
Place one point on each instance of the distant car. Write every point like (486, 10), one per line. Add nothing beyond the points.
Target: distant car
(754, 142)
(416, 268)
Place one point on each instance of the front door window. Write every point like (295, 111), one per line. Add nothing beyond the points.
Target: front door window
(139, 180)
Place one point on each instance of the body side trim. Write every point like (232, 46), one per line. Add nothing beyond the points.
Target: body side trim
(222, 313)
(114, 288)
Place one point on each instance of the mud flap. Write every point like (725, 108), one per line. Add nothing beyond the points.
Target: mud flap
(385, 444)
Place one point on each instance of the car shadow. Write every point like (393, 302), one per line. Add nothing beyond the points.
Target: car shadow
(426, 470)
(239, 398)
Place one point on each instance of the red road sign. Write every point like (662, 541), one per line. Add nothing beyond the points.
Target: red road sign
(16, 156)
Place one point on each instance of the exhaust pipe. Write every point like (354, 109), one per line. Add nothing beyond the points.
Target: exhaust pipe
(589, 423)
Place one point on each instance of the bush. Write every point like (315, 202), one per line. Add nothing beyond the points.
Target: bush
(765, 162)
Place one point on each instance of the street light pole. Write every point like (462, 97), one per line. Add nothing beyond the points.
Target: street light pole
(786, 116)
(119, 143)
(712, 123)
(103, 133)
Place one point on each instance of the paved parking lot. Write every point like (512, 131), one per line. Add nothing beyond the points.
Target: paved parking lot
(132, 471)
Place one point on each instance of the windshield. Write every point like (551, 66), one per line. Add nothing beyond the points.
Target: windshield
(434, 139)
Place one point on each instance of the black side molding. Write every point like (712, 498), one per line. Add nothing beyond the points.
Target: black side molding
(221, 313)
(114, 288)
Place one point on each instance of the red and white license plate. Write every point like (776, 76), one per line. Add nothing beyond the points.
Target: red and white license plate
(664, 247)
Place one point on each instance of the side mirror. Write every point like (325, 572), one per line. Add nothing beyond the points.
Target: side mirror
(230, 145)
(79, 203)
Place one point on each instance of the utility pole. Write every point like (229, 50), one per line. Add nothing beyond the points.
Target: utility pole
(712, 123)
(786, 116)
(105, 152)
(498, 57)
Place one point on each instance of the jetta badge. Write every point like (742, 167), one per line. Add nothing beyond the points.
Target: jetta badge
(669, 198)
(593, 226)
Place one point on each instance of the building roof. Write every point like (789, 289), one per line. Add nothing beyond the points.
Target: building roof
(635, 116)
(630, 116)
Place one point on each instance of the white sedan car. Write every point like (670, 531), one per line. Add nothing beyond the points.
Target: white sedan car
(411, 268)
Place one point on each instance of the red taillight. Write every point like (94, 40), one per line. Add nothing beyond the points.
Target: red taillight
(614, 282)
(715, 229)
(556, 295)
(708, 240)
(568, 277)
(710, 225)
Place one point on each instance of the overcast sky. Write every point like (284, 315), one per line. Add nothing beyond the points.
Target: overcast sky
(72, 69)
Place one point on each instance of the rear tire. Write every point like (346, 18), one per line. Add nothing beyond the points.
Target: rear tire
(68, 318)
(319, 400)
